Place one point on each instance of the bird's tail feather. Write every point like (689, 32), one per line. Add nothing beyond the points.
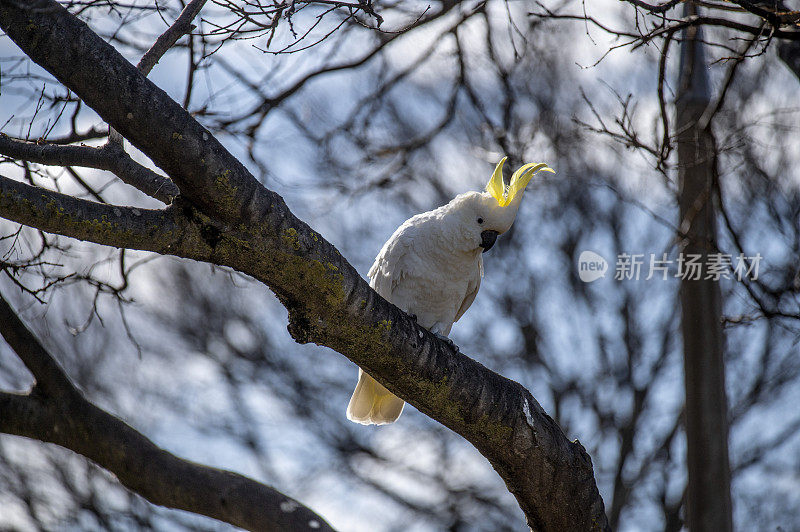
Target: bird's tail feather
(372, 404)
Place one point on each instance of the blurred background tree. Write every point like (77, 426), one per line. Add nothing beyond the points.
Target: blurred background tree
(395, 108)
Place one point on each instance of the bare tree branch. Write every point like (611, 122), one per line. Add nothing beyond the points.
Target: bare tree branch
(714, 107)
(56, 411)
(267, 103)
(655, 8)
(109, 157)
(93, 133)
(165, 41)
(50, 378)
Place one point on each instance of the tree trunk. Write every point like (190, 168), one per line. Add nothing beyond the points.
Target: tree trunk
(708, 504)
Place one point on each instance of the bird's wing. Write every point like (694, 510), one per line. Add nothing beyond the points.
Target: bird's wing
(472, 289)
(393, 263)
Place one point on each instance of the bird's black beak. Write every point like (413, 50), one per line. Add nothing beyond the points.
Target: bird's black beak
(487, 240)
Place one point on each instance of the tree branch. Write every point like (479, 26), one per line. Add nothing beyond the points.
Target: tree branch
(163, 231)
(655, 8)
(50, 378)
(789, 52)
(773, 18)
(252, 230)
(95, 132)
(109, 157)
(57, 412)
(674, 26)
(165, 41)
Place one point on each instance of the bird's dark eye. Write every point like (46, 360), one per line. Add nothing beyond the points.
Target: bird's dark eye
(480, 220)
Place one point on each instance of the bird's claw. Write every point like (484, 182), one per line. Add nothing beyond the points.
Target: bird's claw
(448, 341)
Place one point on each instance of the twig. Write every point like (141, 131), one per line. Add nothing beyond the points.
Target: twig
(714, 107)
(165, 41)
(655, 8)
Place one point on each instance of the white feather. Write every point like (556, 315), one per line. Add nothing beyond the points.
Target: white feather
(432, 268)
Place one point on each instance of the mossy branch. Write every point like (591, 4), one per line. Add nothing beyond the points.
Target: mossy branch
(163, 231)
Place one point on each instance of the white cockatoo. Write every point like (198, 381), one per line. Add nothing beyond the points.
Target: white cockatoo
(431, 268)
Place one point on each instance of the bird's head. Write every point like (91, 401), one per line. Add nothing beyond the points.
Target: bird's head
(485, 215)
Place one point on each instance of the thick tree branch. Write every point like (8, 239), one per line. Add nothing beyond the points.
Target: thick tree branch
(778, 16)
(252, 230)
(698, 20)
(109, 157)
(57, 412)
(163, 231)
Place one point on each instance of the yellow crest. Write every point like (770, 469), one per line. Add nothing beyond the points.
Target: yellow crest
(519, 180)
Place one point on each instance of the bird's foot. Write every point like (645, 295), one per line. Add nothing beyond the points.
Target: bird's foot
(448, 341)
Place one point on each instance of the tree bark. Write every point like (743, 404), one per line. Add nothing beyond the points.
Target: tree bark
(708, 500)
(232, 220)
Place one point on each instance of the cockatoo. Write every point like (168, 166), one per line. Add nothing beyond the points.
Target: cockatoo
(431, 268)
